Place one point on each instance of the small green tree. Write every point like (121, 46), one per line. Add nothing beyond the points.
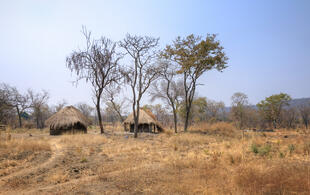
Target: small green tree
(239, 103)
(272, 106)
(194, 57)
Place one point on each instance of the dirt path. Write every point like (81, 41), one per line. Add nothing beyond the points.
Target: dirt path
(57, 153)
(76, 182)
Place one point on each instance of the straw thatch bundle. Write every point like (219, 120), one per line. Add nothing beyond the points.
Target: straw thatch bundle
(147, 121)
(68, 119)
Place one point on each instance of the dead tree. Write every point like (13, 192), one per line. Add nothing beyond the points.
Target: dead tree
(97, 64)
(168, 89)
(110, 95)
(305, 113)
(38, 102)
(60, 105)
(16, 100)
(86, 109)
(139, 76)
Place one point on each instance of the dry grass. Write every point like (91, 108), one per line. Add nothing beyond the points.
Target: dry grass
(80, 140)
(28, 131)
(59, 176)
(209, 159)
(274, 177)
(226, 130)
(17, 154)
(13, 145)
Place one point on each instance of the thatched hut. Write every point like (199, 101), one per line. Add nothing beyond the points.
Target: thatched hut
(147, 123)
(67, 120)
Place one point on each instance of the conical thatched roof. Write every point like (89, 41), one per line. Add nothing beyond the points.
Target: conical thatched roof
(145, 117)
(66, 117)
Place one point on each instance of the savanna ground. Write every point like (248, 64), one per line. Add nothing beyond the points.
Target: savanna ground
(209, 159)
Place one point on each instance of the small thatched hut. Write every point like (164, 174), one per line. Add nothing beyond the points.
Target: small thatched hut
(67, 120)
(147, 123)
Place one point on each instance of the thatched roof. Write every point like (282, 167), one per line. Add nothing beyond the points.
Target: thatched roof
(145, 117)
(66, 117)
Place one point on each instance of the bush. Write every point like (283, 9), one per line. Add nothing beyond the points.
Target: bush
(254, 148)
(261, 150)
(264, 150)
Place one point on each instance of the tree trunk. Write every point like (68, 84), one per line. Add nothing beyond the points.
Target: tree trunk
(136, 127)
(274, 124)
(137, 121)
(37, 120)
(175, 120)
(186, 119)
(99, 115)
(19, 117)
(117, 111)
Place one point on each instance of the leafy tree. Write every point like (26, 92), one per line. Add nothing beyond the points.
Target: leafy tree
(239, 104)
(203, 109)
(194, 57)
(272, 106)
(215, 111)
(98, 64)
(199, 109)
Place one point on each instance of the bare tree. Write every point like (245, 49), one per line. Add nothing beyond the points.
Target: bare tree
(305, 114)
(86, 109)
(142, 50)
(7, 113)
(60, 105)
(289, 117)
(97, 64)
(112, 103)
(38, 104)
(168, 89)
(16, 100)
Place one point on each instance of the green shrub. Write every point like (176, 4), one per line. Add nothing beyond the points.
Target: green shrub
(264, 150)
(261, 150)
(291, 148)
(254, 148)
(281, 155)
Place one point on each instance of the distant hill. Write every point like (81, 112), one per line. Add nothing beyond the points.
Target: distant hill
(299, 101)
(293, 103)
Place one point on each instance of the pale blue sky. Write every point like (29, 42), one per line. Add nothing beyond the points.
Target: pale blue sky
(268, 42)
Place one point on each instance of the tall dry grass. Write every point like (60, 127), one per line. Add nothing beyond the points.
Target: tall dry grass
(14, 145)
(274, 177)
(223, 129)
